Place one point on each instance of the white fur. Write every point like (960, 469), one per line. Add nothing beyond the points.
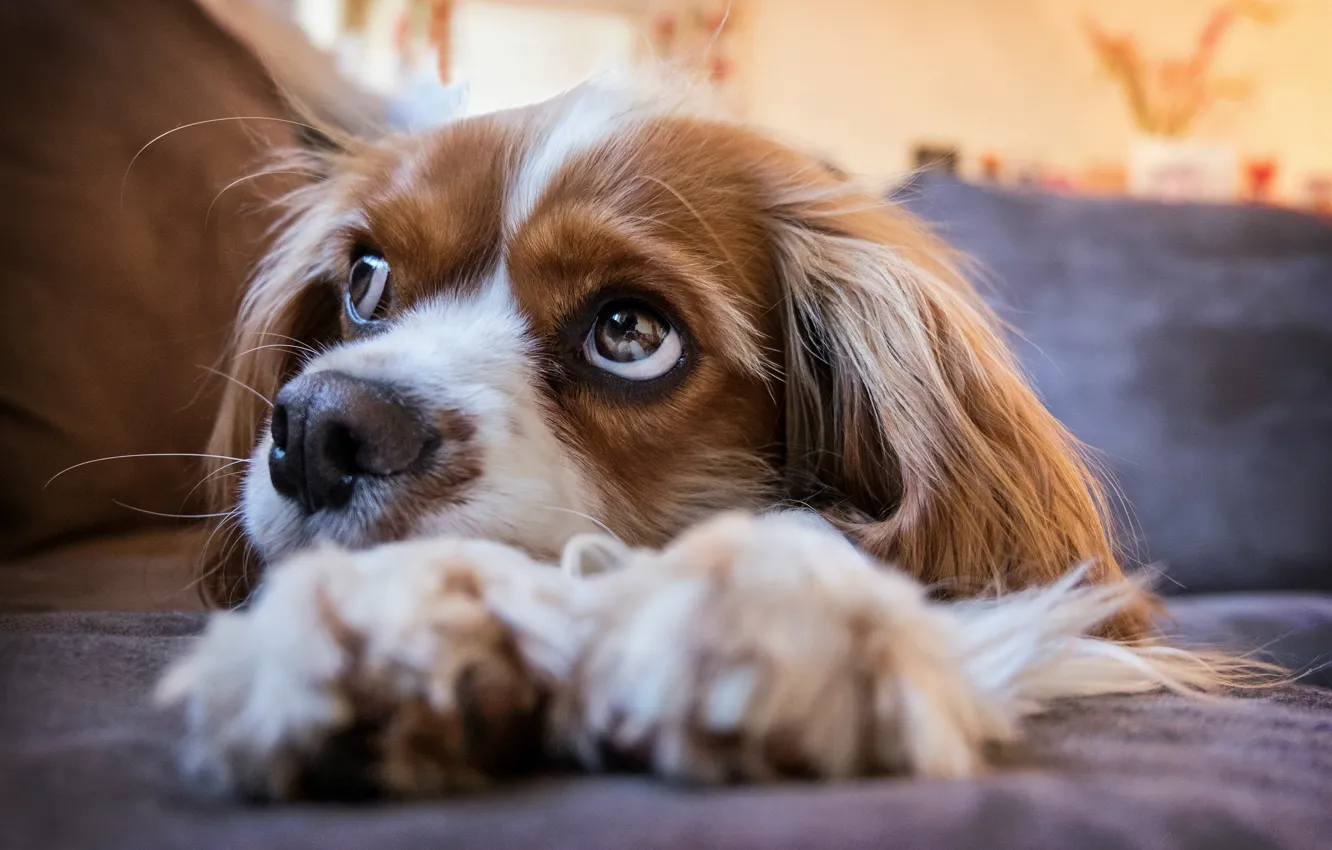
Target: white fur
(589, 116)
(259, 684)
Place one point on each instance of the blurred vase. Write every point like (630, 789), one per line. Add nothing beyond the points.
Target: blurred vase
(1171, 169)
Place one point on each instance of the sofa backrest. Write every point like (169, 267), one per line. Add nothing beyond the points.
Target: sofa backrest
(1191, 347)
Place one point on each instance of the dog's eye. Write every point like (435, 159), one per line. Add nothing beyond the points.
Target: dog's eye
(631, 340)
(367, 288)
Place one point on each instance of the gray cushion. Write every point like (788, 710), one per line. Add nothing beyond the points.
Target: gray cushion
(152, 569)
(1290, 629)
(85, 762)
(1191, 346)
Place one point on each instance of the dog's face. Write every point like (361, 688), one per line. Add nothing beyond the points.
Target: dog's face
(542, 317)
(595, 313)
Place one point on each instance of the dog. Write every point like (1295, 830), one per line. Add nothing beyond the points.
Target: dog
(607, 431)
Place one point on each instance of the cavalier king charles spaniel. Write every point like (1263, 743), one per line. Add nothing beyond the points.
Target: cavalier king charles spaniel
(604, 431)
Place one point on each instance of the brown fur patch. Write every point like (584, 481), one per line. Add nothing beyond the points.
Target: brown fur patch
(639, 215)
(431, 205)
(455, 465)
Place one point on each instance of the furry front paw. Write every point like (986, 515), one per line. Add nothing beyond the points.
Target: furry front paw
(761, 648)
(356, 674)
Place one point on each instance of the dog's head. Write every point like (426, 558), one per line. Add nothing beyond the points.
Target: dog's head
(595, 312)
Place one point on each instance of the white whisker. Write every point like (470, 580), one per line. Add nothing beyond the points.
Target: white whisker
(243, 578)
(125, 179)
(598, 523)
(209, 213)
(214, 474)
(232, 524)
(284, 345)
(292, 339)
(169, 516)
(238, 383)
(692, 210)
(145, 454)
(716, 35)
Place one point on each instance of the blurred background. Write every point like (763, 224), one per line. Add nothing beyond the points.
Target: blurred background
(1185, 99)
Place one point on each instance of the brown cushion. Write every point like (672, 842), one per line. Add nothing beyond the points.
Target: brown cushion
(148, 569)
(113, 304)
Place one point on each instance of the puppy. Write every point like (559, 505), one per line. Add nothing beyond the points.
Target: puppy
(751, 411)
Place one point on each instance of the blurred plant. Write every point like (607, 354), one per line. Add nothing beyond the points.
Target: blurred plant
(1167, 96)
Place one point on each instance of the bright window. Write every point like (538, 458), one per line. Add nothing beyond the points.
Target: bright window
(510, 54)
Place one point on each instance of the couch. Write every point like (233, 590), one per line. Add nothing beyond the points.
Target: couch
(1191, 345)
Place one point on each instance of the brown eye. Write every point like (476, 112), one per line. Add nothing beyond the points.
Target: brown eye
(631, 340)
(367, 288)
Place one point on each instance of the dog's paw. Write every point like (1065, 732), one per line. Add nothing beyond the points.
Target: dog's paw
(759, 648)
(364, 673)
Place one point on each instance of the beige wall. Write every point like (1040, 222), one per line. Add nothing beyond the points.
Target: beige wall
(864, 80)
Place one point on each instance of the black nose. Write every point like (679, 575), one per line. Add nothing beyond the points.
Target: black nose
(331, 430)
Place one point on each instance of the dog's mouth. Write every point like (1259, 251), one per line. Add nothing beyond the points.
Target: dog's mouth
(356, 461)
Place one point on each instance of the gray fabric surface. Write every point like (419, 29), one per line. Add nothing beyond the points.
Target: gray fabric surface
(84, 762)
(140, 570)
(1190, 345)
(1290, 629)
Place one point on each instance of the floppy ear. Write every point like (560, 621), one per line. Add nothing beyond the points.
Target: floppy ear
(289, 305)
(286, 307)
(288, 313)
(907, 416)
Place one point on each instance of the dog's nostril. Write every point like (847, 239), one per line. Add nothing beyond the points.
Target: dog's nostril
(284, 470)
(277, 427)
(341, 448)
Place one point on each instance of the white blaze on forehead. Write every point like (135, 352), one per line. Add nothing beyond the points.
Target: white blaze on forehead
(586, 117)
(445, 343)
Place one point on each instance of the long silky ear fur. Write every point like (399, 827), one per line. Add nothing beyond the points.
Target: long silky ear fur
(290, 309)
(908, 418)
(287, 313)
